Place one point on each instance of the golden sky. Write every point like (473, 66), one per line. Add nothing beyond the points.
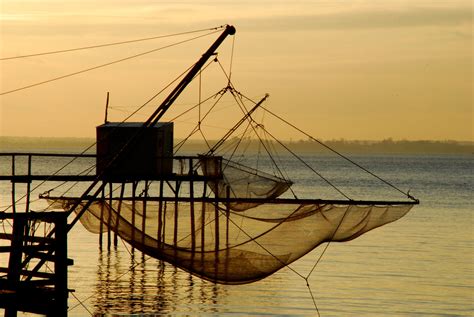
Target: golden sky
(365, 69)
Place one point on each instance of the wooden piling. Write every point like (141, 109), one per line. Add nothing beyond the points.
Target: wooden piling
(109, 217)
(28, 185)
(13, 185)
(119, 208)
(160, 215)
(145, 193)
(192, 216)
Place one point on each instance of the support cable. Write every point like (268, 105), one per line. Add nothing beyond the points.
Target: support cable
(93, 144)
(110, 44)
(341, 155)
(307, 165)
(103, 65)
(231, 58)
(198, 127)
(249, 117)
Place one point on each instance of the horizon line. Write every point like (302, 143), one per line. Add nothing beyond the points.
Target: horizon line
(285, 140)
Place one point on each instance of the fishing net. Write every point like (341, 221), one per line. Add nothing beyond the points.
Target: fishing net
(216, 243)
(239, 181)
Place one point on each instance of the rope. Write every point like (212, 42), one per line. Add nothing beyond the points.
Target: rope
(241, 104)
(109, 44)
(231, 58)
(308, 166)
(92, 145)
(103, 65)
(254, 239)
(198, 126)
(321, 256)
(312, 296)
(341, 155)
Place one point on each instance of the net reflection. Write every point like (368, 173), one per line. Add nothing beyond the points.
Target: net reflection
(131, 283)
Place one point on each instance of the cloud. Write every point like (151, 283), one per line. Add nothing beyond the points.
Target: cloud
(365, 19)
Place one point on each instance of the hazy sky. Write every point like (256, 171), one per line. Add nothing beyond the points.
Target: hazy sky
(338, 69)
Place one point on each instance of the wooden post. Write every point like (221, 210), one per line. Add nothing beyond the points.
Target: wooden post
(28, 185)
(109, 217)
(15, 260)
(191, 195)
(101, 225)
(145, 193)
(13, 185)
(217, 173)
(176, 195)
(23, 291)
(203, 217)
(134, 191)
(60, 265)
(160, 215)
(119, 207)
(227, 214)
(216, 216)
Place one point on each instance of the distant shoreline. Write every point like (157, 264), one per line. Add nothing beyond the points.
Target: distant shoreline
(388, 146)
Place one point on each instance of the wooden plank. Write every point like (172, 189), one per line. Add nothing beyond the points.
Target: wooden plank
(288, 201)
(9, 236)
(40, 255)
(49, 216)
(39, 301)
(90, 178)
(14, 261)
(30, 272)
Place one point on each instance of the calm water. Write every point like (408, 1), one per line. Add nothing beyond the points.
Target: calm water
(421, 265)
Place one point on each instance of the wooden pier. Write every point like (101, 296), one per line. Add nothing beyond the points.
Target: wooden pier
(25, 285)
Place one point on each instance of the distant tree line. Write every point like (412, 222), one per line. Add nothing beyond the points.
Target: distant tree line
(389, 146)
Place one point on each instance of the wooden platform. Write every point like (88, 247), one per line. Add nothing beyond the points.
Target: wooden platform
(28, 283)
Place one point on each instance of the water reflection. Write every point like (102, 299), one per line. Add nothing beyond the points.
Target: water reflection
(131, 283)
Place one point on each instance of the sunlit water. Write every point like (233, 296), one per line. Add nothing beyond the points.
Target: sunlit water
(421, 265)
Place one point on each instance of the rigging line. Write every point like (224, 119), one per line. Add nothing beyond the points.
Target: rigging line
(307, 165)
(74, 184)
(329, 242)
(238, 124)
(254, 239)
(341, 155)
(113, 281)
(239, 142)
(250, 119)
(198, 127)
(192, 107)
(245, 111)
(278, 158)
(272, 158)
(204, 137)
(200, 91)
(231, 58)
(93, 144)
(80, 303)
(210, 97)
(312, 297)
(109, 44)
(104, 65)
(178, 146)
(321, 256)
